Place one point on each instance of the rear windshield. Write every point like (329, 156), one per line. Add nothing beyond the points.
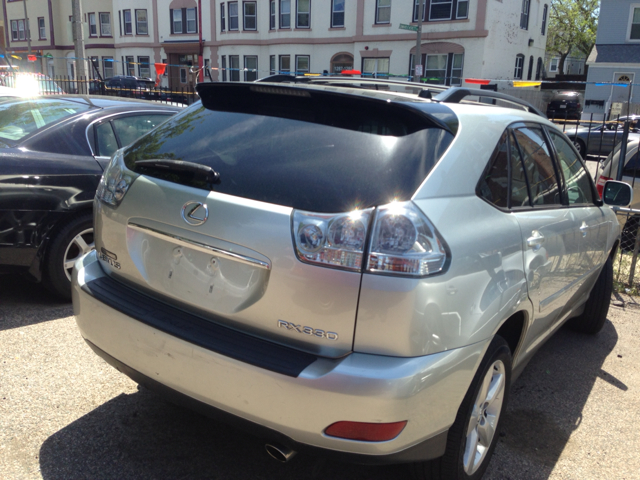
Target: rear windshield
(21, 117)
(366, 160)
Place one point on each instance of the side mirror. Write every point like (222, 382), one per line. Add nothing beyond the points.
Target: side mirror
(617, 194)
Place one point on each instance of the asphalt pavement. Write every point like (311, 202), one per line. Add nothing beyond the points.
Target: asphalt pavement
(66, 414)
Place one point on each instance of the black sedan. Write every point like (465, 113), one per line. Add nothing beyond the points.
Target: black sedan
(53, 151)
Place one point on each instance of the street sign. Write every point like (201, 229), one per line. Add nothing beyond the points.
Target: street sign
(404, 26)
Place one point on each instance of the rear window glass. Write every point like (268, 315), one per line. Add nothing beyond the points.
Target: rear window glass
(365, 160)
(20, 118)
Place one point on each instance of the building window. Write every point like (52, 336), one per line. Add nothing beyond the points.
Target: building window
(462, 10)
(303, 14)
(144, 68)
(530, 71)
(251, 68)
(192, 24)
(249, 16)
(93, 29)
(517, 74)
(131, 68)
(272, 65)
(176, 24)
(128, 28)
(302, 64)
(105, 26)
(337, 13)
(375, 67)
(456, 69)
(436, 69)
(440, 9)
(223, 59)
(634, 34)
(41, 29)
(272, 15)
(545, 10)
(553, 64)
(14, 30)
(233, 16)
(285, 13)
(234, 67)
(524, 15)
(107, 67)
(285, 64)
(222, 20)
(21, 30)
(141, 22)
(183, 75)
(539, 68)
(383, 11)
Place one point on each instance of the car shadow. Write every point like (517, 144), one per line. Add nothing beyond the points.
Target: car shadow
(142, 436)
(24, 303)
(547, 401)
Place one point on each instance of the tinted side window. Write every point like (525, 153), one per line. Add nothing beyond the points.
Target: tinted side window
(539, 166)
(495, 185)
(632, 168)
(130, 128)
(575, 175)
(519, 190)
(105, 140)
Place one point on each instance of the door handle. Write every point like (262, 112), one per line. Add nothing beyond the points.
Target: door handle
(535, 241)
(584, 229)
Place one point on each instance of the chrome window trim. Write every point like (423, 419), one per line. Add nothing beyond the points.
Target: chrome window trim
(200, 247)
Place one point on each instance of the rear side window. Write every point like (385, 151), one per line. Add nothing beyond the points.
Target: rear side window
(539, 166)
(579, 189)
(321, 161)
(495, 185)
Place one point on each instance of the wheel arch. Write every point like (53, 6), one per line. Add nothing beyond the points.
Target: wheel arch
(513, 331)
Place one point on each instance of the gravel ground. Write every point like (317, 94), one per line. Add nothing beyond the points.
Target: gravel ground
(65, 414)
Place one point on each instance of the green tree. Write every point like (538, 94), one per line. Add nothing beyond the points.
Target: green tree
(572, 28)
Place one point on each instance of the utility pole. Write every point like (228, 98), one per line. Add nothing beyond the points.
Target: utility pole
(417, 72)
(78, 39)
(27, 26)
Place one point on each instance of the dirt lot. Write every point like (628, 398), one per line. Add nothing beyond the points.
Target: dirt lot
(65, 414)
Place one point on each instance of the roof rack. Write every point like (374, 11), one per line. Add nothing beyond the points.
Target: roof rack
(443, 93)
(457, 94)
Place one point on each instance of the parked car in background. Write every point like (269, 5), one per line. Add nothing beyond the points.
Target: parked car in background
(598, 139)
(359, 273)
(53, 150)
(565, 105)
(130, 86)
(608, 170)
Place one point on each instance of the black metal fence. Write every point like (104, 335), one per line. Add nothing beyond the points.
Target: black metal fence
(127, 87)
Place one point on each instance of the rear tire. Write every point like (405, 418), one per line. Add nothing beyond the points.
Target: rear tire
(595, 311)
(70, 242)
(579, 144)
(474, 434)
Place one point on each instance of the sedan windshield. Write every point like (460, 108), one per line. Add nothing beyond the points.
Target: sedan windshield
(23, 117)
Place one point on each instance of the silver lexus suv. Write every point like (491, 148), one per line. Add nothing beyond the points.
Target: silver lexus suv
(350, 272)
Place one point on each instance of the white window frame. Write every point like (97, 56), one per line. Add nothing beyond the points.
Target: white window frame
(545, 15)
(105, 27)
(300, 71)
(440, 2)
(250, 76)
(376, 70)
(446, 66)
(144, 67)
(194, 20)
(380, 8)
(177, 21)
(554, 68)
(280, 69)
(232, 16)
(284, 13)
(272, 64)
(93, 26)
(22, 35)
(334, 11)
(183, 76)
(127, 22)
(519, 67)
(299, 12)
(246, 16)
(524, 14)
(42, 30)
(234, 71)
(130, 68)
(14, 30)
(461, 17)
(104, 66)
(223, 22)
(272, 15)
(628, 38)
(139, 22)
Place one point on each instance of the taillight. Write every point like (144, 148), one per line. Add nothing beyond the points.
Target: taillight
(332, 240)
(404, 242)
(367, 432)
(115, 181)
(600, 185)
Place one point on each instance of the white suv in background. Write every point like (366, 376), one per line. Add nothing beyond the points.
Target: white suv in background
(350, 272)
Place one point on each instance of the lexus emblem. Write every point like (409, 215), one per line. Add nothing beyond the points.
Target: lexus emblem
(195, 213)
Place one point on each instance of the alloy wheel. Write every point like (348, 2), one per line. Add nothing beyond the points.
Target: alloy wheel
(81, 244)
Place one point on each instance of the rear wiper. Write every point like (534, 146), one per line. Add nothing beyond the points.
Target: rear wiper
(201, 172)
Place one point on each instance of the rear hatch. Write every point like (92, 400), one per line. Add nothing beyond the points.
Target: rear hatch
(222, 245)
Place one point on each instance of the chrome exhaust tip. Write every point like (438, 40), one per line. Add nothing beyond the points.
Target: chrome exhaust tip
(280, 452)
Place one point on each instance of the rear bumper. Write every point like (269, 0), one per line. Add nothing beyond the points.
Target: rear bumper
(293, 409)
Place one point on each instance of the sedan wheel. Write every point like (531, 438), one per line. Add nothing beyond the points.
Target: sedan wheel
(580, 147)
(81, 244)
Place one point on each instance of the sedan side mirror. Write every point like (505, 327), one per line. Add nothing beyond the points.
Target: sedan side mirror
(617, 194)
